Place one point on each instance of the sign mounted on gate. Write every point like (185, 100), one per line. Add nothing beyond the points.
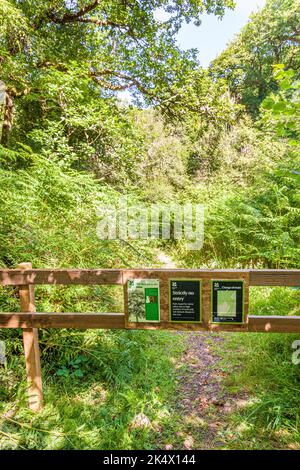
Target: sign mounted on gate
(195, 300)
(185, 300)
(143, 300)
(228, 297)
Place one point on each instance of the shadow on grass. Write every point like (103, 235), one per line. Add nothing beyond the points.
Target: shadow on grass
(123, 398)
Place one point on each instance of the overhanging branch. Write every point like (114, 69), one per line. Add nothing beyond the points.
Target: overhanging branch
(130, 81)
(79, 17)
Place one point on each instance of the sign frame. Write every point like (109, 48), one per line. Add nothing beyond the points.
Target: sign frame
(188, 322)
(244, 316)
(138, 324)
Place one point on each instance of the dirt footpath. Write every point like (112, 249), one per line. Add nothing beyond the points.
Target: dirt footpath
(203, 402)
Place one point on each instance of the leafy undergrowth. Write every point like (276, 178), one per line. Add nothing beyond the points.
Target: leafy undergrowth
(117, 392)
(260, 367)
(283, 301)
(240, 391)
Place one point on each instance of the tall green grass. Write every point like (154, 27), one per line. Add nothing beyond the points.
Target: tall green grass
(123, 397)
(260, 369)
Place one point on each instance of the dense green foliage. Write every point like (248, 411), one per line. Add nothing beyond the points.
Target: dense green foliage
(271, 37)
(62, 66)
(227, 137)
(281, 111)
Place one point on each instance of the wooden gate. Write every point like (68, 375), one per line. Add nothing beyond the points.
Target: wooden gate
(25, 278)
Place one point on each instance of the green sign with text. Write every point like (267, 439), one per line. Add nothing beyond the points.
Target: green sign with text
(143, 300)
(228, 301)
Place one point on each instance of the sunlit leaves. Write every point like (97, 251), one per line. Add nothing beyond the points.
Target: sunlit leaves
(270, 37)
(281, 111)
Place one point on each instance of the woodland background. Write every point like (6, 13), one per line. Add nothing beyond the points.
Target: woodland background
(226, 137)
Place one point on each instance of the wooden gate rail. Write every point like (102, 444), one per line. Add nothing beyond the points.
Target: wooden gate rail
(258, 324)
(25, 278)
(63, 320)
(257, 277)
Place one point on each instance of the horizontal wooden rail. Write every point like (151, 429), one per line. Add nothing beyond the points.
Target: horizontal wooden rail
(266, 324)
(274, 277)
(61, 276)
(62, 320)
(17, 277)
(259, 277)
(274, 324)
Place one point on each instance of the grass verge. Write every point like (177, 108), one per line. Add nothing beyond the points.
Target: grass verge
(116, 390)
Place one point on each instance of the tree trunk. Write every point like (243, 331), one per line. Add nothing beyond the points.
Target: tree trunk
(7, 119)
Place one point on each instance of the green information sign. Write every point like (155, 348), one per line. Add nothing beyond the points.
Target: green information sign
(228, 301)
(143, 300)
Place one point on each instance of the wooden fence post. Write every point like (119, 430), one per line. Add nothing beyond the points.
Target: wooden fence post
(31, 347)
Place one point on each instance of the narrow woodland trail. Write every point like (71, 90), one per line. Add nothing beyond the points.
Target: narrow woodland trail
(203, 403)
(166, 261)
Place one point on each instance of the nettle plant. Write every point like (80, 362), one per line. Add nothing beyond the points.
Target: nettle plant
(73, 369)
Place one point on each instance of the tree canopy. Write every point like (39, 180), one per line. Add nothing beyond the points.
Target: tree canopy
(99, 46)
(271, 37)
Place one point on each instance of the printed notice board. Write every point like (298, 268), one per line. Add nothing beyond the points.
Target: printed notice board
(185, 300)
(143, 300)
(228, 301)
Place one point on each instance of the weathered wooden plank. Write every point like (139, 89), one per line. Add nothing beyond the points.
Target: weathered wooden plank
(275, 277)
(15, 320)
(81, 321)
(274, 324)
(165, 274)
(62, 320)
(259, 277)
(94, 320)
(15, 277)
(263, 324)
(206, 302)
(31, 348)
(266, 324)
(188, 327)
